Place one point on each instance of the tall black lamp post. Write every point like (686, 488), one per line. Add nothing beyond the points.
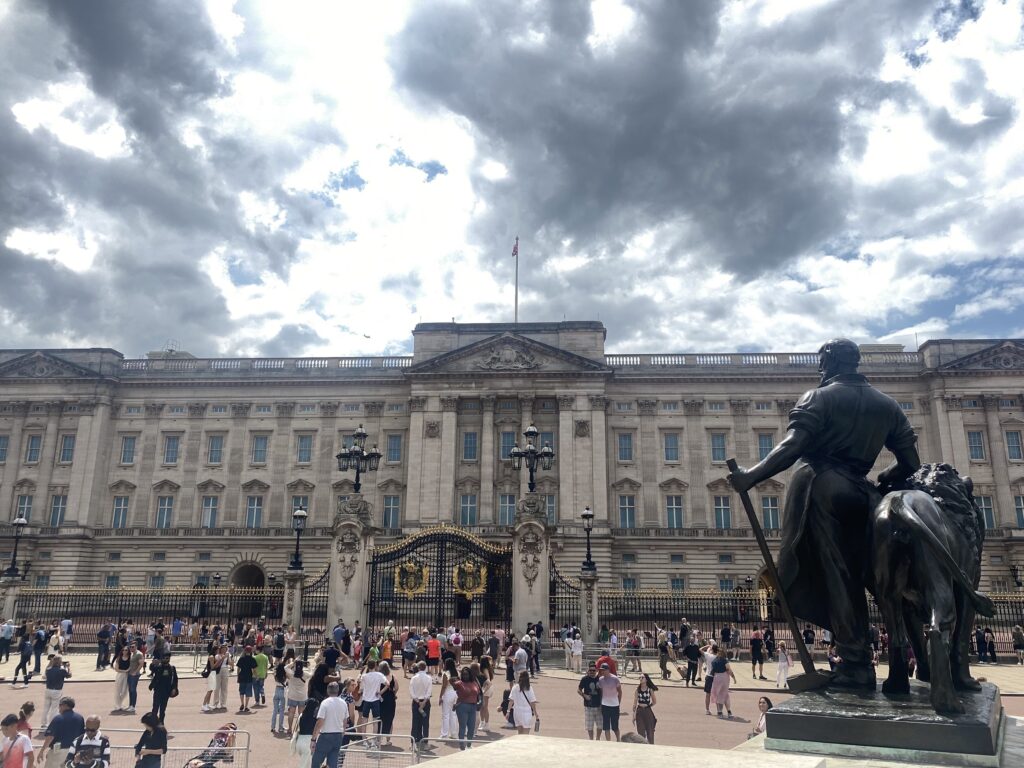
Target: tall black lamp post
(533, 456)
(298, 525)
(1018, 577)
(587, 515)
(12, 572)
(357, 457)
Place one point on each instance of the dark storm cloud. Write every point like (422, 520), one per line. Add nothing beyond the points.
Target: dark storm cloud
(161, 208)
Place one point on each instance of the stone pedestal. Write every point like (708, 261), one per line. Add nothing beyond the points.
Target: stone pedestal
(291, 613)
(8, 595)
(589, 620)
(353, 533)
(531, 585)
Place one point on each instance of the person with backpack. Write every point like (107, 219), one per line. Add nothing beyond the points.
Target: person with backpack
(38, 647)
(455, 641)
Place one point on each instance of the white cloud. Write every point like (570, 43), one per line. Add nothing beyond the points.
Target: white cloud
(74, 249)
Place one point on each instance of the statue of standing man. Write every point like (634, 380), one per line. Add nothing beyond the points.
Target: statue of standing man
(836, 433)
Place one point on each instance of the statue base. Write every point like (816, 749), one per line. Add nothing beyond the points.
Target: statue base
(870, 725)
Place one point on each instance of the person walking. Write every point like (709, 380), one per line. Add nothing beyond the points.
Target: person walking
(524, 704)
(138, 662)
(67, 726)
(152, 745)
(25, 658)
(16, 747)
(296, 690)
(708, 654)
(611, 698)
(122, 663)
(333, 716)
(300, 744)
(720, 687)
(6, 637)
(577, 653)
(372, 684)
(486, 678)
(782, 675)
(280, 700)
(589, 689)
(57, 671)
(1018, 643)
(259, 678)
(467, 690)
(91, 749)
(214, 663)
(26, 711)
(446, 699)
(990, 643)
(644, 700)
(164, 686)
(388, 701)
(420, 689)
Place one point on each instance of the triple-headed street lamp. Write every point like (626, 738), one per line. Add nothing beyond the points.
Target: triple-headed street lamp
(12, 572)
(299, 516)
(587, 515)
(534, 456)
(357, 457)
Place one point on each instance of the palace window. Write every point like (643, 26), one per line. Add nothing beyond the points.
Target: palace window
(551, 505)
(670, 440)
(219, 409)
(133, 410)
(58, 507)
(350, 407)
(765, 444)
(1018, 505)
(724, 559)
(546, 438)
(307, 408)
(763, 406)
(128, 449)
(723, 512)
(114, 557)
(624, 407)
(300, 501)
(177, 410)
(42, 580)
(677, 584)
(629, 584)
(506, 508)
(971, 403)
(675, 558)
(215, 449)
(156, 581)
(112, 581)
(171, 444)
(164, 511)
(1007, 402)
(469, 446)
(716, 406)
(508, 439)
(987, 512)
(25, 505)
(976, 446)
(264, 410)
(4, 442)
(159, 557)
(394, 452)
(202, 579)
(625, 441)
(67, 449)
(726, 585)
(211, 506)
(120, 516)
(627, 510)
(770, 512)
(254, 512)
(204, 557)
(395, 407)
(671, 405)
(33, 449)
(718, 449)
(1014, 450)
(674, 511)
(907, 405)
(467, 509)
(259, 448)
(303, 449)
(392, 512)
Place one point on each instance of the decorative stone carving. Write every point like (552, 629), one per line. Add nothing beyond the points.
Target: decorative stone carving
(154, 409)
(487, 402)
(531, 507)
(991, 402)
(166, 486)
(300, 486)
(598, 402)
(926, 404)
(210, 486)
(785, 406)
(647, 407)
(40, 365)
(122, 487)
(509, 357)
(432, 429)
(329, 408)
(197, 409)
(255, 485)
(21, 408)
(951, 403)
(449, 403)
(588, 604)
(531, 547)
(693, 407)
(240, 410)
(355, 506)
(740, 406)
(373, 407)
(582, 428)
(1004, 356)
(349, 543)
(566, 402)
(417, 403)
(525, 404)
(55, 406)
(285, 408)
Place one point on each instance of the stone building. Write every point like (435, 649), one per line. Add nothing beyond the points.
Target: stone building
(167, 470)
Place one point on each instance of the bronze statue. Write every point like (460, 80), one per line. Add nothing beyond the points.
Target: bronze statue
(836, 432)
(927, 544)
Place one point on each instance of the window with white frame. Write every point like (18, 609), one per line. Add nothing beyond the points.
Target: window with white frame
(176, 410)
(1014, 448)
(723, 512)
(677, 584)
(987, 511)
(467, 509)
(763, 406)
(724, 558)
(627, 510)
(211, 508)
(392, 511)
(264, 410)
(159, 557)
(976, 446)
(133, 410)
(67, 449)
(508, 441)
(770, 512)
(120, 513)
(546, 438)
(716, 406)
(765, 444)
(1018, 506)
(625, 444)
(202, 579)
(5, 440)
(1007, 402)
(676, 558)
(303, 449)
(215, 449)
(307, 408)
(33, 447)
(254, 511)
(725, 584)
(395, 407)
(219, 409)
(394, 450)
(718, 449)
(971, 403)
(629, 558)
(624, 407)
(157, 581)
(260, 444)
(300, 501)
(25, 505)
(629, 583)
(204, 557)
(674, 510)
(171, 445)
(112, 581)
(670, 445)
(506, 508)
(128, 449)
(907, 405)
(350, 407)
(164, 511)
(42, 580)
(670, 405)
(551, 506)
(58, 508)
(469, 446)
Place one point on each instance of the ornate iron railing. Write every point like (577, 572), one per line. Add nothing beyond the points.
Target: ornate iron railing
(564, 600)
(315, 621)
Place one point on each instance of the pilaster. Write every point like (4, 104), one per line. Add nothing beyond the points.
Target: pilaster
(47, 458)
(566, 459)
(698, 455)
(91, 463)
(291, 614)
(958, 456)
(448, 447)
(649, 458)
(599, 446)
(487, 458)
(351, 544)
(531, 585)
(1000, 463)
(413, 512)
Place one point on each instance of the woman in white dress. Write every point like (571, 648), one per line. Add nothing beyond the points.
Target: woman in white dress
(782, 675)
(216, 661)
(524, 704)
(446, 700)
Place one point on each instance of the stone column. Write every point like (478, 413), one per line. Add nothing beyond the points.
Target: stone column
(698, 453)
(9, 589)
(589, 619)
(449, 445)
(746, 449)
(599, 444)
(487, 458)
(90, 465)
(416, 447)
(291, 613)
(649, 457)
(1000, 462)
(352, 541)
(566, 458)
(960, 457)
(48, 456)
(531, 554)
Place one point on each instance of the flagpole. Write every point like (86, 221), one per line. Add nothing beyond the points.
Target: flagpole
(515, 252)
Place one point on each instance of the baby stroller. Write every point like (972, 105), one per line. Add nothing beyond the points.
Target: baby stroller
(220, 749)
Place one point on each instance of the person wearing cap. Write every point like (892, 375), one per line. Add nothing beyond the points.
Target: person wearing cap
(67, 726)
(611, 697)
(589, 690)
(246, 668)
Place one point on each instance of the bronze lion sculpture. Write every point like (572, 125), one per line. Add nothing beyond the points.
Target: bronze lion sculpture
(927, 541)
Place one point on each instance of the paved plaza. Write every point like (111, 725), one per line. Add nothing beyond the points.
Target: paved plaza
(680, 711)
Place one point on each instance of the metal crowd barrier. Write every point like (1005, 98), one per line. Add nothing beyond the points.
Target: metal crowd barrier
(371, 751)
(188, 749)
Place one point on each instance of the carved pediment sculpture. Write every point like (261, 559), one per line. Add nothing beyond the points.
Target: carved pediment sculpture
(582, 428)
(166, 486)
(255, 485)
(42, 365)
(122, 487)
(300, 486)
(508, 357)
(1004, 356)
(210, 486)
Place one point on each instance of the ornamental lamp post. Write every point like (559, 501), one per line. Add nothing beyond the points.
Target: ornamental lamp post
(587, 515)
(299, 516)
(357, 457)
(216, 579)
(535, 457)
(12, 572)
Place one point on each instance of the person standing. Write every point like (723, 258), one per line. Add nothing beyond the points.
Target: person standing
(577, 652)
(611, 697)
(708, 653)
(720, 687)
(467, 690)
(644, 700)
(300, 744)
(280, 699)
(164, 686)
(91, 749)
(332, 718)
(67, 726)
(246, 667)
(296, 693)
(782, 675)
(122, 663)
(485, 675)
(764, 704)
(589, 689)
(434, 655)
(103, 646)
(25, 658)
(524, 704)
(692, 655)
(420, 689)
(990, 642)
(259, 679)
(57, 671)
(1018, 643)
(388, 700)
(152, 745)
(214, 662)
(447, 698)
(16, 747)
(757, 654)
(768, 635)
(6, 636)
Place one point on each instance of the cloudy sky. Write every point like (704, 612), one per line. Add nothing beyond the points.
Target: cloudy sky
(295, 178)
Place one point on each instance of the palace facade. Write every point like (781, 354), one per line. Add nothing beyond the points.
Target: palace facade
(171, 470)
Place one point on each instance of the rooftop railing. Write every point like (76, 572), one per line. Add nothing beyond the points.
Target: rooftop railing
(261, 364)
(750, 359)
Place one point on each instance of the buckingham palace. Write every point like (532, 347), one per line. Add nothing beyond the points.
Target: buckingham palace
(170, 470)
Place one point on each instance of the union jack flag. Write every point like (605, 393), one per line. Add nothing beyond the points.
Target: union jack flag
(515, 248)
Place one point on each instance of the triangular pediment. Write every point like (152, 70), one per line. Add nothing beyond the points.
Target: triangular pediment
(626, 484)
(507, 354)
(300, 486)
(721, 485)
(1005, 356)
(122, 486)
(255, 485)
(210, 486)
(166, 486)
(673, 484)
(43, 365)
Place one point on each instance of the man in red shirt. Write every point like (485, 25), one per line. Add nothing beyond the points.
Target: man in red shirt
(433, 655)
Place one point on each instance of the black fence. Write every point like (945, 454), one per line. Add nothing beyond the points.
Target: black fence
(315, 621)
(90, 608)
(564, 600)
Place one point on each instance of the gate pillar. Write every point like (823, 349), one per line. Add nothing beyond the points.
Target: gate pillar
(589, 620)
(351, 544)
(291, 611)
(9, 589)
(531, 585)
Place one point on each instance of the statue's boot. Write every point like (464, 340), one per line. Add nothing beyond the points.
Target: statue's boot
(857, 676)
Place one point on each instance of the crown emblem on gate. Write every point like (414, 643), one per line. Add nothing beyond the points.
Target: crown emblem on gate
(411, 579)
(469, 579)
